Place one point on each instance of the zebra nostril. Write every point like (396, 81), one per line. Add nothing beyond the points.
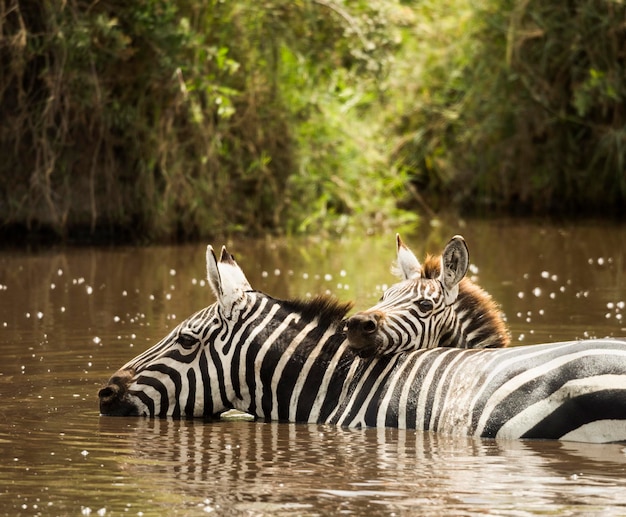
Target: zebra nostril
(363, 324)
(108, 392)
(369, 326)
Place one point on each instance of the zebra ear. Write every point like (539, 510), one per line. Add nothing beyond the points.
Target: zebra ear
(213, 272)
(226, 279)
(454, 264)
(408, 265)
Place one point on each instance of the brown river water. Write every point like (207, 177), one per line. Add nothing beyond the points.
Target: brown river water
(69, 317)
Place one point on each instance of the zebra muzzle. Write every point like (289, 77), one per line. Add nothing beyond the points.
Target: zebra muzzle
(362, 332)
(114, 396)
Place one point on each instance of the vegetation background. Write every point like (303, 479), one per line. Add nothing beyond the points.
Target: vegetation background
(160, 120)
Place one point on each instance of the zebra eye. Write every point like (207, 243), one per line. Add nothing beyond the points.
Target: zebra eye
(187, 340)
(425, 306)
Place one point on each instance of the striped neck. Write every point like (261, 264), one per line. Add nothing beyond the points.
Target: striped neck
(294, 362)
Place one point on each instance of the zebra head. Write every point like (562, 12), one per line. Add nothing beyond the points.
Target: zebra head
(233, 353)
(163, 380)
(434, 305)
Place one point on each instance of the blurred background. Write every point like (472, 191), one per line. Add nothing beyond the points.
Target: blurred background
(171, 121)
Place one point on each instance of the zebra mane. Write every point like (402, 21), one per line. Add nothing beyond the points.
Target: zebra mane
(327, 308)
(431, 266)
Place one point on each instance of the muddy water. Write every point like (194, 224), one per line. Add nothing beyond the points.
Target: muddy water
(70, 317)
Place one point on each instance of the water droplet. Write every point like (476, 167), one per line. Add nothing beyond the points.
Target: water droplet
(537, 291)
(328, 277)
(264, 274)
(520, 295)
(172, 272)
(97, 340)
(545, 274)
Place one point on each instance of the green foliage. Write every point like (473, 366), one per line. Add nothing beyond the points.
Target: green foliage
(343, 176)
(161, 119)
(520, 106)
(175, 119)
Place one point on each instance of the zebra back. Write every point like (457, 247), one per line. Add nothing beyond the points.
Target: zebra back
(570, 391)
(435, 305)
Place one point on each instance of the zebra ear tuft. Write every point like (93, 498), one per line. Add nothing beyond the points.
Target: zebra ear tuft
(454, 265)
(213, 272)
(226, 257)
(231, 273)
(407, 264)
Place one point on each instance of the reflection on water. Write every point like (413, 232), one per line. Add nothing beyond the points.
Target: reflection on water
(307, 469)
(70, 317)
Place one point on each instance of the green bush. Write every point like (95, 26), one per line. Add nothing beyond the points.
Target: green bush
(519, 106)
(164, 120)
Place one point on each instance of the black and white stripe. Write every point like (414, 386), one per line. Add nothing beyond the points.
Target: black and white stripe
(434, 305)
(290, 361)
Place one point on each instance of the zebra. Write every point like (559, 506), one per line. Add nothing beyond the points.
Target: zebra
(289, 360)
(434, 305)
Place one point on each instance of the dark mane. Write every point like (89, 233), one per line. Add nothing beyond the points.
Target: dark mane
(327, 308)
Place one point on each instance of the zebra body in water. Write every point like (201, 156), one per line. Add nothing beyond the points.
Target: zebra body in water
(290, 361)
(434, 305)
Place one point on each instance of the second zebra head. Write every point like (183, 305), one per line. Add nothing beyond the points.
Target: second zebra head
(434, 305)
